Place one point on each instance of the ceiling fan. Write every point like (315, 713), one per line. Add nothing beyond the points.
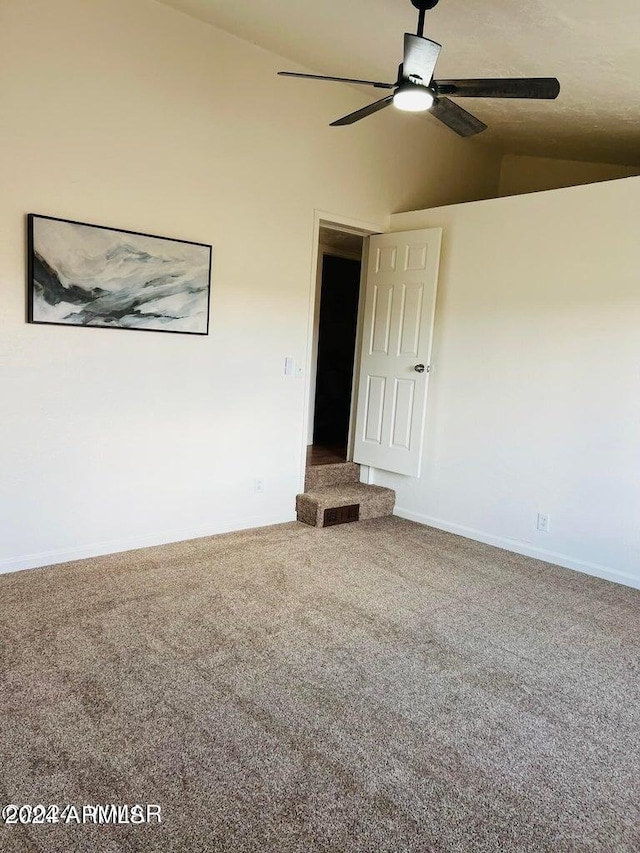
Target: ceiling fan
(415, 90)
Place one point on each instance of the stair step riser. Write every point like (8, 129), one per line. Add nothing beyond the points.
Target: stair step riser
(321, 476)
(311, 508)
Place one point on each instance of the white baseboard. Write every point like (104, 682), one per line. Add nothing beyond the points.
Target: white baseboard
(82, 552)
(524, 548)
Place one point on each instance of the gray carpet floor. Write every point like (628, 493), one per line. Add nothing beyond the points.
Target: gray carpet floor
(378, 687)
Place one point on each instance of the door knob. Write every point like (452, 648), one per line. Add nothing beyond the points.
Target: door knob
(419, 368)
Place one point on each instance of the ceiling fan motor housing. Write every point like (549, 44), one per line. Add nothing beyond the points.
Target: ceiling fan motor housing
(424, 5)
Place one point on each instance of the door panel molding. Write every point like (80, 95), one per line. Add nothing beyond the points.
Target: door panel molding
(400, 300)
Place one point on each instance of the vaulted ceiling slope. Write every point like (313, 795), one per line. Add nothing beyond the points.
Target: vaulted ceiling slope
(591, 47)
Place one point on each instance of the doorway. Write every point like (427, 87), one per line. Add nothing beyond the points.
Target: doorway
(334, 343)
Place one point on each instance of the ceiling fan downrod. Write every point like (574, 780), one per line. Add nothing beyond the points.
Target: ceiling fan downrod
(423, 6)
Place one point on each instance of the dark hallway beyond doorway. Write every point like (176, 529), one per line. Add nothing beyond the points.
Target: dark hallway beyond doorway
(336, 349)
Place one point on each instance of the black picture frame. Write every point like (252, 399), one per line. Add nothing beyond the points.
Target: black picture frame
(80, 274)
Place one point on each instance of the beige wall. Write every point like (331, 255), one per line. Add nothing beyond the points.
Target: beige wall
(534, 399)
(129, 114)
(521, 174)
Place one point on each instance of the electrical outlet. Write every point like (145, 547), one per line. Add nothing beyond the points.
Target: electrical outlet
(544, 521)
(258, 486)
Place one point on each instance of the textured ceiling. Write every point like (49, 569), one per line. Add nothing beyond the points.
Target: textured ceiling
(340, 241)
(591, 47)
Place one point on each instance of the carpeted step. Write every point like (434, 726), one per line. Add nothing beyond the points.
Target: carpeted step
(372, 502)
(338, 474)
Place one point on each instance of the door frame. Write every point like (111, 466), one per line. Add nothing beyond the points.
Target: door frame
(348, 225)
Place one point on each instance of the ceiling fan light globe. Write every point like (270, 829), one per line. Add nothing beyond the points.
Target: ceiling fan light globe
(413, 98)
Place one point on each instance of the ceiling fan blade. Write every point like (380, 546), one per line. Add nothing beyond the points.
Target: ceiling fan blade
(459, 120)
(338, 79)
(363, 113)
(546, 88)
(420, 57)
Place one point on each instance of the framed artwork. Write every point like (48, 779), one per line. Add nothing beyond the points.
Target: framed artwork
(90, 275)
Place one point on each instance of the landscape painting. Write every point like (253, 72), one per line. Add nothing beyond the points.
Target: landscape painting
(90, 275)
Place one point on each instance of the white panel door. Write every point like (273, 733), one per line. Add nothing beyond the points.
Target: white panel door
(400, 301)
